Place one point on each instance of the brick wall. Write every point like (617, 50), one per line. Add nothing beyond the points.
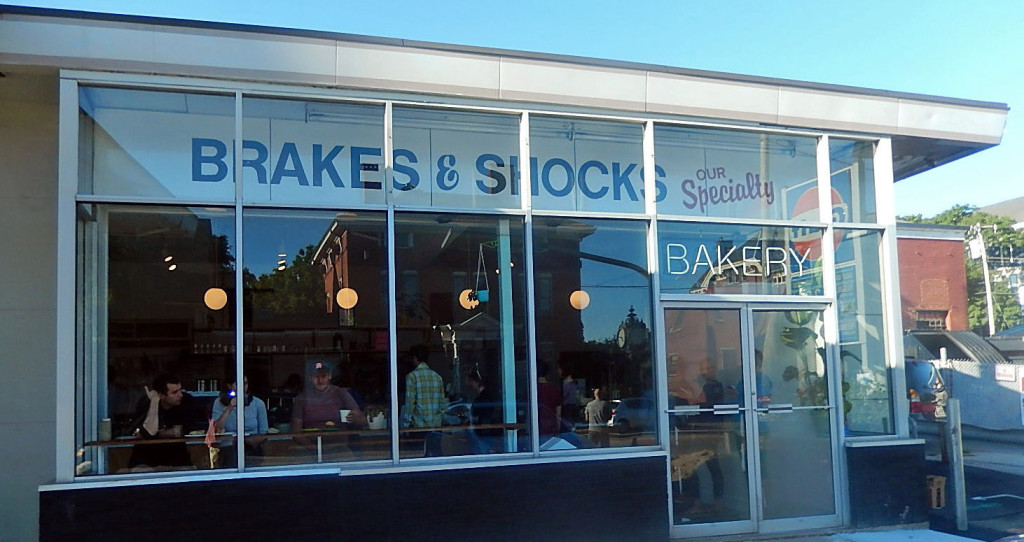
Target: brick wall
(933, 278)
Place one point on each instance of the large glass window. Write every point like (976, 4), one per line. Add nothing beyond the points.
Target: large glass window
(731, 174)
(316, 334)
(169, 145)
(585, 165)
(461, 312)
(156, 327)
(310, 152)
(853, 180)
(455, 159)
(736, 259)
(867, 394)
(594, 352)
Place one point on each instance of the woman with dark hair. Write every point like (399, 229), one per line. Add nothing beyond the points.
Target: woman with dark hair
(255, 410)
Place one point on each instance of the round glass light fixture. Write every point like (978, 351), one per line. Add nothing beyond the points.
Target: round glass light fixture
(467, 302)
(347, 298)
(579, 299)
(215, 299)
(172, 267)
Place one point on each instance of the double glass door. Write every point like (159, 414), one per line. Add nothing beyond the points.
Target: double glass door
(749, 420)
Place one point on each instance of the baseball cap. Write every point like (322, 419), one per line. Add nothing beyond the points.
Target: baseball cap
(319, 367)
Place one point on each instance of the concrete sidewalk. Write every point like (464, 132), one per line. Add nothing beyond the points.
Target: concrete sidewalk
(897, 535)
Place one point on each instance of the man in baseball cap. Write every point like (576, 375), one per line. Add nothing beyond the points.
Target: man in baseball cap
(319, 406)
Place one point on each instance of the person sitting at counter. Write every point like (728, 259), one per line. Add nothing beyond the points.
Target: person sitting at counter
(225, 419)
(319, 407)
(166, 412)
(254, 410)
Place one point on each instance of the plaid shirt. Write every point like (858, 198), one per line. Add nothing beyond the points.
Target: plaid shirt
(424, 397)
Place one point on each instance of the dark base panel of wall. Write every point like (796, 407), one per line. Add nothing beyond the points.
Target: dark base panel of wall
(621, 499)
(887, 485)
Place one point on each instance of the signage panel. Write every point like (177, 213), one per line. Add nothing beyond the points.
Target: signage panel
(315, 153)
(732, 259)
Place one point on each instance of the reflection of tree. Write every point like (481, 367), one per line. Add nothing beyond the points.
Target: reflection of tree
(295, 290)
(141, 248)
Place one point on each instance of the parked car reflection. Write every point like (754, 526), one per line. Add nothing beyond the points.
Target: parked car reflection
(634, 414)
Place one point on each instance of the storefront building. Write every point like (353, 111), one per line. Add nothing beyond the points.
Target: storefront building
(316, 212)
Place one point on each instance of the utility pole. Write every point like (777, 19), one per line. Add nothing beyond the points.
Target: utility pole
(978, 245)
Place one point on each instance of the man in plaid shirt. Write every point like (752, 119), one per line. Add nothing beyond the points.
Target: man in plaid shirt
(424, 392)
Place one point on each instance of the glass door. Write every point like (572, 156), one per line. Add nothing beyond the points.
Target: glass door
(749, 419)
(796, 451)
(712, 487)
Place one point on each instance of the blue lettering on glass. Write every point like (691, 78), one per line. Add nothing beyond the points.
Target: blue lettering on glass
(220, 151)
(323, 163)
(258, 164)
(210, 164)
(499, 178)
(620, 180)
(357, 159)
(545, 177)
(517, 177)
(447, 177)
(289, 154)
(583, 179)
(412, 174)
(660, 190)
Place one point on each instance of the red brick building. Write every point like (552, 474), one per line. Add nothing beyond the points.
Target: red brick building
(933, 279)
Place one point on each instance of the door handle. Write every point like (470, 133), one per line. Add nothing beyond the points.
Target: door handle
(723, 410)
(686, 410)
(781, 408)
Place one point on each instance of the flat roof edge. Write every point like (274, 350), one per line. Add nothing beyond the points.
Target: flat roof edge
(506, 53)
(939, 232)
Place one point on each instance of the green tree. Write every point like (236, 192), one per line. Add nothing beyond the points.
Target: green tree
(295, 291)
(1000, 240)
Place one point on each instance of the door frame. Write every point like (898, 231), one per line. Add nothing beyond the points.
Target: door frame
(756, 524)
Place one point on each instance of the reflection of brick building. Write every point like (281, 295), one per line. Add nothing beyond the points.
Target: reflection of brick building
(933, 278)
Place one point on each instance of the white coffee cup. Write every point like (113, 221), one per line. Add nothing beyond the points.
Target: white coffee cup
(343, 413)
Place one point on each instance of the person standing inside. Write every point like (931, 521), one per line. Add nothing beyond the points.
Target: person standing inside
(485, 412)
(598, 413)
(570, 397)
(424, 392)
(549, 404)
(424, 403)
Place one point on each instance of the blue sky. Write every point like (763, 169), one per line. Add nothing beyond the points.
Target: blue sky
(959, 49)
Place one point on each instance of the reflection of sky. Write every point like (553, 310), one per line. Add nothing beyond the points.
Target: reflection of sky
(613, 289)
(268, 234)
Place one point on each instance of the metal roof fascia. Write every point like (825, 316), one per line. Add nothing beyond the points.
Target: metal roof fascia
(506, 53)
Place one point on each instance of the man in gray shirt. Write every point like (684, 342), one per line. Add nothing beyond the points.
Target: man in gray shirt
(598, 413)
